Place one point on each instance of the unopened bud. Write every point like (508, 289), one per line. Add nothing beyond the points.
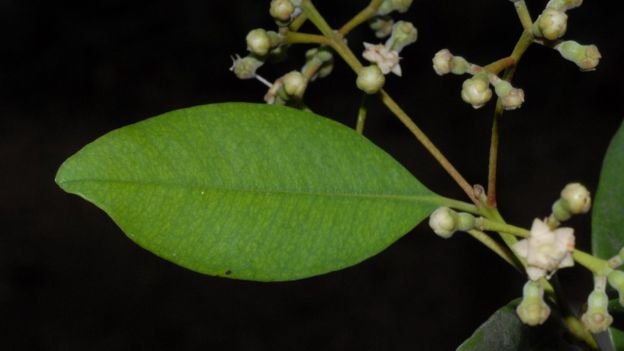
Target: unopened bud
(403, 34)
(295, 84)
(381, 25)
(245, 68)
(476, 91)
(616, 280)
(533, 310)
(576, 198)
(552, 24)
(444, 222)
(586, 57)
(442, 62)
(564, 5)
(282, 10)
(258, 42)
(370, 79)
(511, 98)
(388, 6)
(597, 318)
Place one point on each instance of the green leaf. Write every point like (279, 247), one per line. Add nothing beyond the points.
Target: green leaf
(504, 331)
(249, 191)
(608, 212)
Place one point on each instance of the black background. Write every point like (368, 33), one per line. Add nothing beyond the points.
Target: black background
(70, 72)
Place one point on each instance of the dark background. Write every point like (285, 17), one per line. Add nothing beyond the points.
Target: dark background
(70, 72)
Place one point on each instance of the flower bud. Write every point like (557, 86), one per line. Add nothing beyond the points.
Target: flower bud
(597, 318)
(388, 6)
(381, 25)
(403, 34)
(552, 24)
(586, 57)
(320, 60)
(576, 198)
(370, 79)
(533, 310)
(444, 222)
(245, 68)
(564, 5)
(511, 98)
(295, 84)
(258, 42)
(282, 10)
(616, 280)
(476, 91)
(442, 62)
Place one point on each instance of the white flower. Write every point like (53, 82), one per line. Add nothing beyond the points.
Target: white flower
(546, 250)
(387, 60)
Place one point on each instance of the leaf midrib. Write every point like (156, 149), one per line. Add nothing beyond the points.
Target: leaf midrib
(409, 198)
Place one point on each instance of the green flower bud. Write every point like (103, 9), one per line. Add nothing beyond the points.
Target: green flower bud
(370, 79)
(616, 280)
(388, 6)
(533, 310)
(597, 318)
(258, 42)
(444, 222)
(403, 34)
(381, 25)
(295, 84)
(552, 24)
(586, 57)
(459, 65)
(576, 198)
(320, 60)
(465, 221)
(245, 68)
(564, 5)
(476, 91)
(511, 98)
(282, 10)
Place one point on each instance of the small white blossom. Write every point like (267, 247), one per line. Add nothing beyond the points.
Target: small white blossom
(513, 100)
(386, 59)
(546, 250)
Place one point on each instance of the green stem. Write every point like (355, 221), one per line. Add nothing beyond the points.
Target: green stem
(361, 120)
(497, 66)
(367, 13)
(525, 41)
(459, 205)
(523, 14)
(305, 38)
(298, 22)
(592, 263)
(496, 226)
(338, 44)
(499, 249)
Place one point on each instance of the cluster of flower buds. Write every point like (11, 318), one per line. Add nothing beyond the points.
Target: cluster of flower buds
(533, 310)
(266, 45)
(575, 199)
(597, 318)
(476, 90)
(385, 56)
(445, 222)
(552, 24)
